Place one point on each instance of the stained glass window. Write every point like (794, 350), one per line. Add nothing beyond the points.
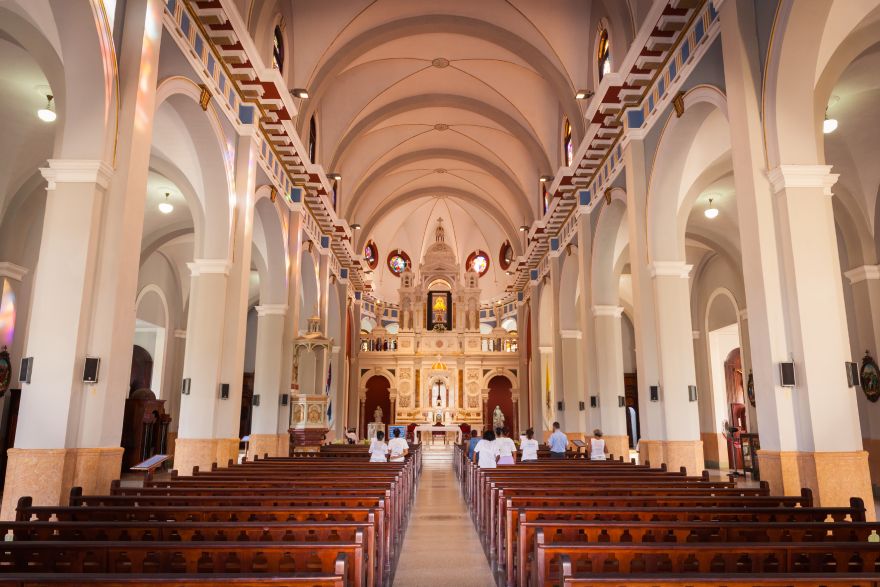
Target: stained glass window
(371, 254)
(313, 138)
(398, 261)
(603, 54)
(278, 50)
(567, 144)
(505, 257)
(479, 262)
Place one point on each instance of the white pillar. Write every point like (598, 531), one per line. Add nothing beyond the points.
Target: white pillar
(571, 388)
(609, 363)
(268, 380)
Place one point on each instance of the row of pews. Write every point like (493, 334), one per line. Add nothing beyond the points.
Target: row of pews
(581, 523)
(324, 519)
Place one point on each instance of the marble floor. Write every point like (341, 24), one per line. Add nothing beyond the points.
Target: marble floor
(441, 546)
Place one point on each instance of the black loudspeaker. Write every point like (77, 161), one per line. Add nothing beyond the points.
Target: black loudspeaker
(655, 393)
(581, 406)
(852, 374)
(184, 390)
(594, 401)
(786, 375)
(560, 406)
(24, 373)
(285, 399)
(90, 369)
(692, 393)
(621, 401)
(256, 401)
(224, 391)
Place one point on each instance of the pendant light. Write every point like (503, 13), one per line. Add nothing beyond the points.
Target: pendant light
(166, 207)
(47, 114)
(710, 212)
(829, 125)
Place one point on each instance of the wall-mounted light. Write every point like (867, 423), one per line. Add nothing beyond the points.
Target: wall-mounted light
(545, 178)
(583, 94)
(829, 125)
(334, 176)
(355, 226)
(711, 211)
(524, 228)
(166, 207)
(47, 114)
(301, 93)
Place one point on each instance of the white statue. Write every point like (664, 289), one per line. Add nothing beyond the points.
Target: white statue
(498, 418)
(377, 415)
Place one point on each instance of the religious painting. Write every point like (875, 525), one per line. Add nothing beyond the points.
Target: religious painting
(5, 371)
(440, 314)
(870, 377)
(750, 389)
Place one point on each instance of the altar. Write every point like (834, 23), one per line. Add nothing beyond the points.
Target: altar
(431, 428)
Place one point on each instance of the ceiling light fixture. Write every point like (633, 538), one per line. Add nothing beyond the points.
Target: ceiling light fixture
(334, 176)
(583, 94)
(545, 178)
(355, 226)
(299, 93)
(166, 207)
(524, 228)
(711, 211)
(47, 114)
(829, 125)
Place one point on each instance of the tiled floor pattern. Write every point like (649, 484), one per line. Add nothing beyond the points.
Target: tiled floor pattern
(441, 547)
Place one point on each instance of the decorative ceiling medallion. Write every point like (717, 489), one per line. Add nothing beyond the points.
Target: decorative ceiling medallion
(440, 62)
(441, 127)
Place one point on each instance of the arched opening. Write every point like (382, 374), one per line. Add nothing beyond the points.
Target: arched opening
(278, 49)
(313, 138)
(567, 143)
(377, 397)
(603, 54)
(141, 369)
(501, 396)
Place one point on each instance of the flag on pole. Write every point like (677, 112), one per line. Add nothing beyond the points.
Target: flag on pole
(547, 369)
(327, 391)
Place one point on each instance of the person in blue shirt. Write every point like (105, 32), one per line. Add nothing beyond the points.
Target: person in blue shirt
(558, 442)
(475, 438)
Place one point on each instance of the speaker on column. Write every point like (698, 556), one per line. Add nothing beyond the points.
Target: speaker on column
(224, 391)
(27, 366)
(655, 393)
(90, 369)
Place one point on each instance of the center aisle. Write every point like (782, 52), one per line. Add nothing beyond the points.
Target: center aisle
(441, 546)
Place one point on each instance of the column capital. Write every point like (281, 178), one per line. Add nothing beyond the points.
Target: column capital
(678, 269)
(271, 310)
(744, 314)
(576, 334)
(859, 274)
(77, 171)
(12, 271)
(208, 266)
(802, 176)
(610, 311)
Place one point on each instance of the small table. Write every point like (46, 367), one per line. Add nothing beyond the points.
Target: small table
(431, 428)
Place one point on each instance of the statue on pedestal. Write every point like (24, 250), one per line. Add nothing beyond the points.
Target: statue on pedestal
(377, 415)
(498, 418)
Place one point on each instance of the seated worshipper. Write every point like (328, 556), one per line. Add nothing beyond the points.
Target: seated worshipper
(558, 442)
(486, 452)
(475, 438)
(529, 446)
(378, 449)
(506, 448)
(597, 446)
(351, 437)
(398, 447)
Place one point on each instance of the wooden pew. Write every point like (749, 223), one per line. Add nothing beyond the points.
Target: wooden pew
(168, 580)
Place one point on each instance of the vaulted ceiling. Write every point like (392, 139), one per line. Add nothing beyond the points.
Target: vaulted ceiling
(451, 110)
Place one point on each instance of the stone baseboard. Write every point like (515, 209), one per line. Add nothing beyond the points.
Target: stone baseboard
(48, 474)
(274, 445)
(834, 477)
(675, 453)
(203, 452)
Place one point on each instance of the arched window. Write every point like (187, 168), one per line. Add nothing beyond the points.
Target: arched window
(313, 138)
(545, 197)
(398, 262)
(603, 54)
(479, 262)
(278, 49)
(371, 254)
(567, 146)
(505, 256)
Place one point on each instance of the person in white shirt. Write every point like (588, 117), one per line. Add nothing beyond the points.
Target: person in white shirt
(398, 447)
(486, 452)
(597, 446)
(351, 437)
(379, 449)
(506, 448)
(529, 446)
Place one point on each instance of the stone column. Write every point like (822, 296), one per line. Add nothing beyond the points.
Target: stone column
(557, 371)
(675, 351)
(83, 301)
(354, 370)
(571, 388)
(523, 371)
(268, 382)
(652, 418)
(587, 362)
(865, 287)
(536, 371)
(609, 372)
